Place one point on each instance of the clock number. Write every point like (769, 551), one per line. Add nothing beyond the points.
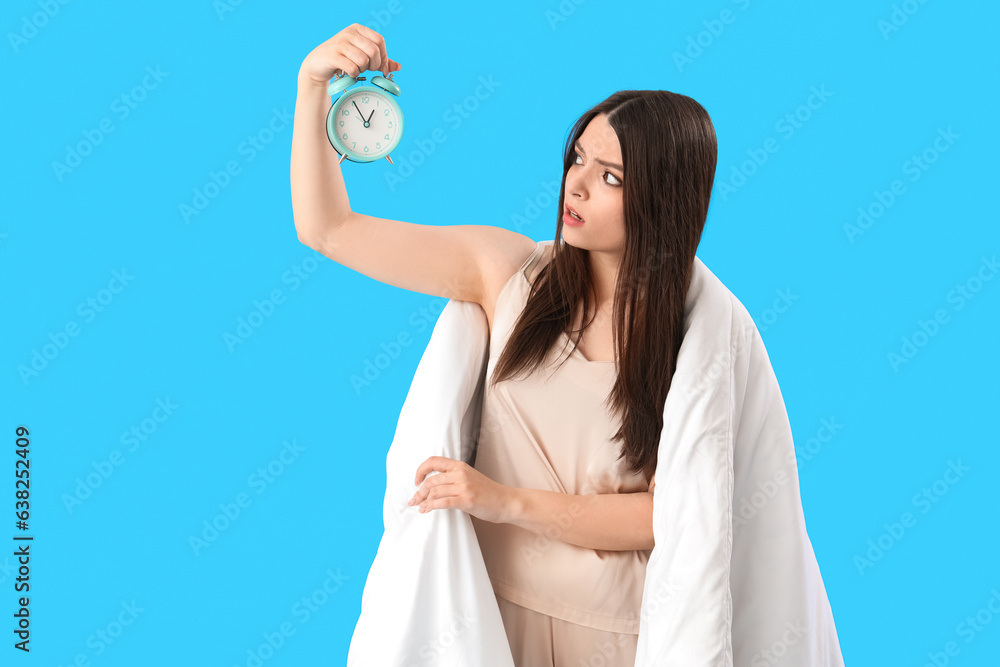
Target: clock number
(386, 112)
(344, 135)
(342, 123)
(386, 136)
(390, 124)
(346, 112)
(365, 99)
(366, 149)
(378, 144)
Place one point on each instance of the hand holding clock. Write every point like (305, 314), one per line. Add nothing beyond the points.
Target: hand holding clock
(353, 50)
(364, 123)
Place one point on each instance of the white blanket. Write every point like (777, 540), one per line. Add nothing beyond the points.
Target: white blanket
(732, 578)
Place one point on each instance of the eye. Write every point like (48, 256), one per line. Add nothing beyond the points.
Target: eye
(614, 185)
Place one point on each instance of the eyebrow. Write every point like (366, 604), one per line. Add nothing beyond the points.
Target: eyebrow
(606, 164)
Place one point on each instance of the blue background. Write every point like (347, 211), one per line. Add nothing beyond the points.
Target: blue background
(228, 72)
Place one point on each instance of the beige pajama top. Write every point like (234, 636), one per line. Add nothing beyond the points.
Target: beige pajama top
(550, 430)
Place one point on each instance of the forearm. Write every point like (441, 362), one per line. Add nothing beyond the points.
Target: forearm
(319, 195)
(608, 521)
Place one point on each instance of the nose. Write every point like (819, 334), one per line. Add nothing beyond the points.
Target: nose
(576, 186)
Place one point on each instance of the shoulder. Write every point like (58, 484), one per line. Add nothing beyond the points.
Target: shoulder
(509, 253)
(531, 266)
(505, 254)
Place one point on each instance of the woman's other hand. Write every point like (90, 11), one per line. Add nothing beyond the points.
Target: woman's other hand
(460, 486)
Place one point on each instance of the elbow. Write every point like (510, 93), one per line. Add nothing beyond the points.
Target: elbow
(650, 536)
(306, 240)
(310, 238)
(316, 237)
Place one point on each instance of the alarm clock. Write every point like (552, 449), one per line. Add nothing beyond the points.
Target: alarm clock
(364, 124)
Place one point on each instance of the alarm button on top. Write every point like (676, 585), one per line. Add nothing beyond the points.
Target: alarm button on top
(340, 83)
(385, 84)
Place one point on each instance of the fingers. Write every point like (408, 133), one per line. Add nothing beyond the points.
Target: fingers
(438, 488)
(374, 45)
(372, 58)
(380, 60)
(352, 51)
(383, 61)
(435, 498)
(435, 488)
(438, 504)
(438, 463)
(357, 58)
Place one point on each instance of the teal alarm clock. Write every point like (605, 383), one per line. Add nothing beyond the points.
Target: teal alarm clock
(365, 124)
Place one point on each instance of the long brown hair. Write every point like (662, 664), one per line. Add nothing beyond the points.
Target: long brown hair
(669, 155)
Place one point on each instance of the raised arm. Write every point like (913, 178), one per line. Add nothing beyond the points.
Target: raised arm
(457, 261)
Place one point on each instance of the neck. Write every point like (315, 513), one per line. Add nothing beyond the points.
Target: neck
(604, 272)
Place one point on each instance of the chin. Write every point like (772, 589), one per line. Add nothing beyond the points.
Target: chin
(571, 237)
(579, 234)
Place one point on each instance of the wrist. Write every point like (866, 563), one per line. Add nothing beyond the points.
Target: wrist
(515, 506)
(307, 83)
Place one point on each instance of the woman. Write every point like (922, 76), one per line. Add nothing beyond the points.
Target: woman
(561, 489)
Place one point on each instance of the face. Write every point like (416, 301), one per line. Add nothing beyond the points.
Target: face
(594, 189)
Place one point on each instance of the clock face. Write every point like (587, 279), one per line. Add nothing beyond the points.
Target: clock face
(367, 124)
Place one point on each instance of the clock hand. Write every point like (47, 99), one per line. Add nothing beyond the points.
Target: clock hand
(370, 116)
(359, 111)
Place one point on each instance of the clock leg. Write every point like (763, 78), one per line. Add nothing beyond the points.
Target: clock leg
(389, 159)
(341, 158)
